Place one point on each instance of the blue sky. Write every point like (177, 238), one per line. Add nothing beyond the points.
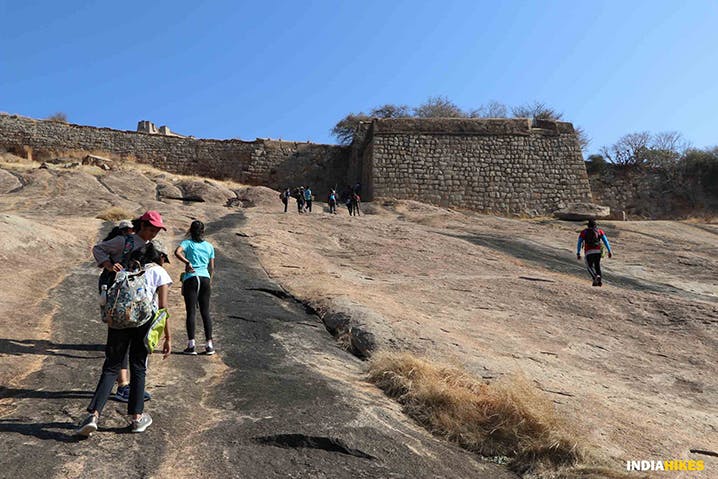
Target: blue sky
(292, 69)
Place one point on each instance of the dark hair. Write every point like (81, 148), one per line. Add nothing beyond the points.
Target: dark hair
(147, 254)
(113, 233)
(591, 223)
(196, 231)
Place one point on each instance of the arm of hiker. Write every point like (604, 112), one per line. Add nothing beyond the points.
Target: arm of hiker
(162, 294)
(604, 238)
(179, 253)
(104, 251)
(210, 268)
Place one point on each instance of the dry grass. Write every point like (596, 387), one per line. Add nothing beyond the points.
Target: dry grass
(115, 213)
(507, 418)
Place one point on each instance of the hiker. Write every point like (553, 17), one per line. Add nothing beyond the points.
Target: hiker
(348, 203)
(124, 228)
(119, 340)
(300, 200)
(112, 254)
(308, 199)
(356, 201)
(284, 196)
(198, 257)
(592, 238)
(332, 201)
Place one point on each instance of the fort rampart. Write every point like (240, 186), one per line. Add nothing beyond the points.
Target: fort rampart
(505, 166)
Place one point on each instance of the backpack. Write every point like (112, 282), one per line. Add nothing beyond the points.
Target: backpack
(108, 277)
(593, 238)
(128, 304)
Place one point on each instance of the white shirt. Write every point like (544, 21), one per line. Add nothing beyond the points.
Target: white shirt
(156, 276)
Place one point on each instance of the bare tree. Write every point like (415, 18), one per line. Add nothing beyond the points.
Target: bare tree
(345, 128)
(629, 150)
(439, 107)
(583, 139)
(492, 109)
(537, 111)
(391, 111)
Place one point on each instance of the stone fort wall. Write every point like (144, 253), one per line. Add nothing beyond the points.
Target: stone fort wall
(504, 166)
(272, 163)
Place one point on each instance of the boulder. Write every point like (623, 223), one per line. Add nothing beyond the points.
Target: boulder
(583, 211)
(8, 182)
(206, 192)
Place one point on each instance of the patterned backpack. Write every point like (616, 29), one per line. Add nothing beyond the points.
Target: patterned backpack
(128, 304)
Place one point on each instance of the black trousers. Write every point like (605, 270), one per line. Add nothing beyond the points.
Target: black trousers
(197, 290)
(118, 342)
(593, 264)
(285, 205)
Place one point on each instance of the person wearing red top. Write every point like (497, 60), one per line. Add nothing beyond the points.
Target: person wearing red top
(591, 239)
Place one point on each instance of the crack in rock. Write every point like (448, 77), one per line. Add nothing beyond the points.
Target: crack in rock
(294, 441)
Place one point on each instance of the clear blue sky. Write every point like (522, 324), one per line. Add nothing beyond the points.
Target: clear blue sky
(292, 69)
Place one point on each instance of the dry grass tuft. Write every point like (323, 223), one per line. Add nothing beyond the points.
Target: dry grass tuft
(506, 418)
(115, 213)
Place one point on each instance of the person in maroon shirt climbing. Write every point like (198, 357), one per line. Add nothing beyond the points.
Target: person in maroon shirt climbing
(591, 238)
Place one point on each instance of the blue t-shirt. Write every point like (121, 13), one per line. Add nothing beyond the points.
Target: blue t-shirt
(198, 255)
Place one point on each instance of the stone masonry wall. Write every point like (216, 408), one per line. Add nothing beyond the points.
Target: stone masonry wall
(499, 166)
(275, 164)
(504, 166)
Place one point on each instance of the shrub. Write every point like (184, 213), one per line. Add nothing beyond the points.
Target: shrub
(506, 418)
(115, 213)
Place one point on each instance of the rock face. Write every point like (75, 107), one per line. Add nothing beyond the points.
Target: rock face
(583, 211)
(8, 182)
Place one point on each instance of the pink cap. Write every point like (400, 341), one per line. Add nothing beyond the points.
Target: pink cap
(154, 218)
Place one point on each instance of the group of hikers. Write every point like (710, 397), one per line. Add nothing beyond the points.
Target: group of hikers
(304, 197)
(133, 289)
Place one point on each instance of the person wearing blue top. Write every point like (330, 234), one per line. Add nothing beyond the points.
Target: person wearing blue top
(591, 239)
(308, 198)
(198, 257)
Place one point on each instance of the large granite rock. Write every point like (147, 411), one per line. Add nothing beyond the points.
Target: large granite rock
(583, 211)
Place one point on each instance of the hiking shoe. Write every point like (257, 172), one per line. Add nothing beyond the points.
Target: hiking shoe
(139, 425)
(87, 427)
(598, 281)
(123, 394)
(190, 350)
(209, 350)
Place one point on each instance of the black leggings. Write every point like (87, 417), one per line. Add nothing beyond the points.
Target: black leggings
(118, 342)
(196, 290)
(593, 264)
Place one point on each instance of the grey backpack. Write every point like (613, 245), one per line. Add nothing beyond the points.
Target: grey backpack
(129, 304)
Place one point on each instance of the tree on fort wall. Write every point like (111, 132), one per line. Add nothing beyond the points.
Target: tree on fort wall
(443, 107)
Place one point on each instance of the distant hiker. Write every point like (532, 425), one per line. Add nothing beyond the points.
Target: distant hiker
(356, 201)
(332, 201)
(156, 282)
(300, 200)
(592, 237)
(308, 198)
(113, 254)
(357, 189)
(284, 196)
(349, 205)
(198, 258)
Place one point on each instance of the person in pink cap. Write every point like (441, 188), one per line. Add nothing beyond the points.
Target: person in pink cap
(113, 256)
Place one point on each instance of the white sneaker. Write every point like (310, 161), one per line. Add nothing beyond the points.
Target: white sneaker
(139, 425)
(87, 427)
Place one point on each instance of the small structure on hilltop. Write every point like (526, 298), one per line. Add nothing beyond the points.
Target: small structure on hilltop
(146, 126)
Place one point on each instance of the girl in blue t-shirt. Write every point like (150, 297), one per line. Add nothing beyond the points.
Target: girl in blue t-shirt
(198, 257)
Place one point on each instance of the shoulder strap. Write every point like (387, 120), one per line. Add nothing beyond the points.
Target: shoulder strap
(127, 249)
